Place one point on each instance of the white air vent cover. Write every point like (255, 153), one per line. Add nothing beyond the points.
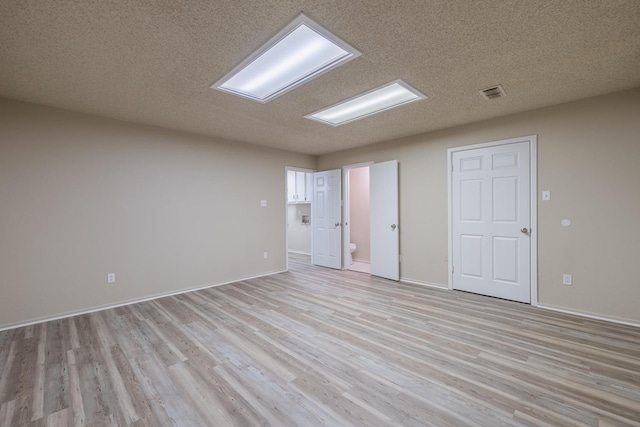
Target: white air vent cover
(493, 92)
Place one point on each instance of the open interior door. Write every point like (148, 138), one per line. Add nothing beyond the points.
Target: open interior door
(326, 219)
(385, 236)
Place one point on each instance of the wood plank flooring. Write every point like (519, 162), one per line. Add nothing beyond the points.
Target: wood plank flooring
(316, 347)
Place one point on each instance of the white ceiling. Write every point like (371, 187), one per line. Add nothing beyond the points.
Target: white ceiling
(152, 62)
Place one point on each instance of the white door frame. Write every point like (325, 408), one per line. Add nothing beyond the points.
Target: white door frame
(533, 170)
(286, 213)
(346, 215)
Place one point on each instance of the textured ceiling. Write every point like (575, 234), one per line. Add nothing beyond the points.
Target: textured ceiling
(152, 62)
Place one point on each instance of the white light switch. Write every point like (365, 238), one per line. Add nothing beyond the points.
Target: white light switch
(263, 203)
(111, 278)
(546, 195)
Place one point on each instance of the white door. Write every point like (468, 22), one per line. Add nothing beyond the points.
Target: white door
(301, 188)
(291, 186)
(385, 240)
(327, 219)
(491, 221)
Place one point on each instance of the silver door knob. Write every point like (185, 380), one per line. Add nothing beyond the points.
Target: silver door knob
(393, 226)
(337, 224)
(525, 230)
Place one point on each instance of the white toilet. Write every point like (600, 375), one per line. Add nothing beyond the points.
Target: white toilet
(352, 249)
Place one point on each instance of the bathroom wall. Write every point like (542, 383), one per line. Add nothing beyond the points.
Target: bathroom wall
(299, 234)
(359, 212)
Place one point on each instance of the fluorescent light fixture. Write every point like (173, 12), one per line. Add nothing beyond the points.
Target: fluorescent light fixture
(375, 101)
(298, 53)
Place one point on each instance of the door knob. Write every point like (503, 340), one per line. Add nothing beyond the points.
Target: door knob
(393, 226)
(337, 224)
(525, 230)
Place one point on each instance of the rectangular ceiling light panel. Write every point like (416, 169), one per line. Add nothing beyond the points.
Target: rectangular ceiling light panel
(300, 52)
(384, 98)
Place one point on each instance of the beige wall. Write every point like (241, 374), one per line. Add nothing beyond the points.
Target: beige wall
(81, 197)
(359, 229)
(588, 157)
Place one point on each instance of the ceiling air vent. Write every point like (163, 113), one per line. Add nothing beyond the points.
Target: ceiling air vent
(493, 92)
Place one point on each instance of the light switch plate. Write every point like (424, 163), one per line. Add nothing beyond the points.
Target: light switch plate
(546, 195)
(263, 203)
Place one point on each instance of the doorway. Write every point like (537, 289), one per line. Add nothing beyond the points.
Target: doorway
(329, 245)
(357, 233)
(492, 219)
(299, 191)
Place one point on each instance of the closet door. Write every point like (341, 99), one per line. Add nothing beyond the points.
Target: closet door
(491, 222)
(291, 186)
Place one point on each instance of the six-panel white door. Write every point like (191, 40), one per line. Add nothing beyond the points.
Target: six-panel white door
(491, 245)
(327, 218)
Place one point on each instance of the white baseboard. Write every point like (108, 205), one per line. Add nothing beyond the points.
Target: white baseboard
(431, 285)
(589, 315)
(298, 252)
(362, 261)
(127, 302)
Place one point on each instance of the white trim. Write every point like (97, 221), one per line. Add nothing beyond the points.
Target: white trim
(449, 220)
(588, 315)
(430, 285)
(533, 172)
(128, 302)
(298, 169)
(533, 182)
(358, 165)
(298, 252)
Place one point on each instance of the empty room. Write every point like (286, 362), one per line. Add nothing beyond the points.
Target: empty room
(302, 213)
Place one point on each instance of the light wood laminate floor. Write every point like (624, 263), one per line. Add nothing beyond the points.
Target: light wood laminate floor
(319, 347)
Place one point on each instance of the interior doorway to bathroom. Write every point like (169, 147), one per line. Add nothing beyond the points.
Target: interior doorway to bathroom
(299, 190)
(357, 238)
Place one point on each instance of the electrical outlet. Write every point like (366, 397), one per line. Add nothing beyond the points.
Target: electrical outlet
(263, 203)
(265, 255)
(567, 279)
(111, 278)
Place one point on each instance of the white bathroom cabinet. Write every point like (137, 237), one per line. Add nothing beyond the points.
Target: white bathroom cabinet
(299, 187)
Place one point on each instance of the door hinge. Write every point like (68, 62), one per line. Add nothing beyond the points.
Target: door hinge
(453, 269)
(451, 167)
